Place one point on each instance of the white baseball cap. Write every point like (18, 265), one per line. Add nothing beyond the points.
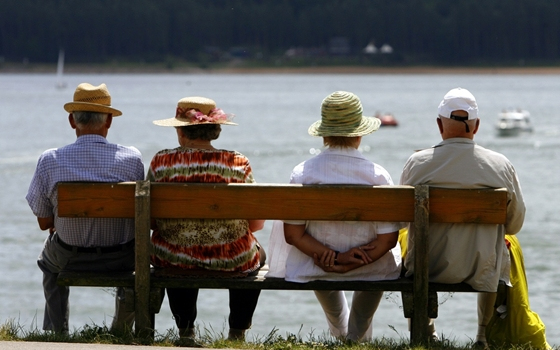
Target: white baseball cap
(458, 99)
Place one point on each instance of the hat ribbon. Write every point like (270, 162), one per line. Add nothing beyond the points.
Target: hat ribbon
(193, 115)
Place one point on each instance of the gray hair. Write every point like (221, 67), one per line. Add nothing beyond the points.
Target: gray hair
(89, 120)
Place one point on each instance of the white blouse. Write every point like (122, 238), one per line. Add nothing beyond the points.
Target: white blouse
(335, 166)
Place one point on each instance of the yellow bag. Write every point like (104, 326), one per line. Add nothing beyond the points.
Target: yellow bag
(403, 241)
(519, 325)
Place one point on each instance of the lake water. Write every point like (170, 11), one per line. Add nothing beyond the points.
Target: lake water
(274, 112)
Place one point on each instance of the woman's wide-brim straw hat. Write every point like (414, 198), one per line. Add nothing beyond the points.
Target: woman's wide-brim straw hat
(196, 111)
(342, 115)
(89, 98)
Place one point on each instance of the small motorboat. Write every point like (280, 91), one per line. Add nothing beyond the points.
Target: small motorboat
(514, 122)
(387, 119)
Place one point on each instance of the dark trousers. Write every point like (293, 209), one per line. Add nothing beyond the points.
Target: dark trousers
(55, 258)
(242, 305)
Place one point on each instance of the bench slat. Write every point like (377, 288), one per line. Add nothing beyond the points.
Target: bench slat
(96, 200)
(96, 279)
(477, 206)
(265, 201)
(126, 279)
(280, 201)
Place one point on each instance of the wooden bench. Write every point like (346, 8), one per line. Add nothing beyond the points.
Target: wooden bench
(144, 200)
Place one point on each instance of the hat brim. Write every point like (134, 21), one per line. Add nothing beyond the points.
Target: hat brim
(177, 122)
(90, 107)
(367, 126)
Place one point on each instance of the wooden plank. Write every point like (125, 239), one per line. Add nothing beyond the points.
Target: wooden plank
(419, 320)
(477, 206)
(142, 316)
(453, 287)
(258, 282)
(277, 201)
(126, 279)
(96, 200)
(96, 279)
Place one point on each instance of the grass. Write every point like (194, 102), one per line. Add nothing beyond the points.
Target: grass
(210, 338)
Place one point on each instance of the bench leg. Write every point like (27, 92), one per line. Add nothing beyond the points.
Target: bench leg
(432, 305)
(408, 304)
(123, 320)
(144, 320)
(419, 333)
(145, 317)
(129, 299)
(156, 299)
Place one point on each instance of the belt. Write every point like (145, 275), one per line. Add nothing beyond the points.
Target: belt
(99, 250)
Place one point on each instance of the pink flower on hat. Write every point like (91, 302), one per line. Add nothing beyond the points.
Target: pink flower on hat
(192, 115)
(196, 111)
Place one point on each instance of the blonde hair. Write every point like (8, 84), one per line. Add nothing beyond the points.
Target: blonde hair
(340, 141)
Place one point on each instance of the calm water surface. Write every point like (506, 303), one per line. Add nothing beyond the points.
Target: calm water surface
(274, 112)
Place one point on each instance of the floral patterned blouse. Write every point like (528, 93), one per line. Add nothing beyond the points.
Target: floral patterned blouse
(212, 244)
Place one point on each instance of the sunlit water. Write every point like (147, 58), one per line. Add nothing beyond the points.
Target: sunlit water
(274, 112)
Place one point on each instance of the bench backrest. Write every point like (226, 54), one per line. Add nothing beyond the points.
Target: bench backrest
(279, 201)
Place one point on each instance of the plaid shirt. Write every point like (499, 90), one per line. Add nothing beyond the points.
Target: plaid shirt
(91, 158)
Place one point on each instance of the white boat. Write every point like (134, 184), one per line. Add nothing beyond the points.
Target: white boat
(514, 122)
(60, 84)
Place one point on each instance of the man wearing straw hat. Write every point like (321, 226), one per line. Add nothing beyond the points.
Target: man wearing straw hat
(326, 250)
(80, 244)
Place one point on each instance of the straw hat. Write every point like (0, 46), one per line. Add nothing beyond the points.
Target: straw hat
(341, 115)
(196, 111)
(91, 98)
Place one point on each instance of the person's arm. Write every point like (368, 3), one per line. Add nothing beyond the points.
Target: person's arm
(255, 225)
(46, 224)
(332, 261)
(297, 236)
(515, 206)
(346, 261)
(150, 177)
(381, 245)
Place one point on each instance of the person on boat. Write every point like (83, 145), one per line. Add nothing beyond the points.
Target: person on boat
(83, 244)
(303, 251)
(201, 245)
(475, 254)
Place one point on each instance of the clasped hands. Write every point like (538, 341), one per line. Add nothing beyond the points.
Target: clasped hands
(333, 261)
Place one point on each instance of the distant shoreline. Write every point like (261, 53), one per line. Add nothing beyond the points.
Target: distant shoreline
(161, 69)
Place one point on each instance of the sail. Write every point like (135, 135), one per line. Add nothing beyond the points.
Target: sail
(60, 70)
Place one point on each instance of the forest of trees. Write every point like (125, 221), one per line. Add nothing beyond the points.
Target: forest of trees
(443, 32)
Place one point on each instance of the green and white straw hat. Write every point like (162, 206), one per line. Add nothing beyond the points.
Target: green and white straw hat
(342, 115)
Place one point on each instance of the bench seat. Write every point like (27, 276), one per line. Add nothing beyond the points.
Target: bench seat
(223, 281)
